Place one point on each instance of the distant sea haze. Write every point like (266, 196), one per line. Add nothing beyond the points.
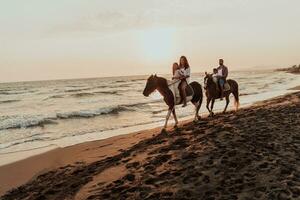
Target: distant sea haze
(35, 114)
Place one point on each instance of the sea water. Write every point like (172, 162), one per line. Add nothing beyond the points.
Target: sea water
(58, 113)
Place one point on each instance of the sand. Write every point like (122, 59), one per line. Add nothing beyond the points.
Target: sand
(251, 154)
(295, 88)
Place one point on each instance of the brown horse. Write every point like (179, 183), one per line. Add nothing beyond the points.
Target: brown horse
(212, 93)
(161, 84)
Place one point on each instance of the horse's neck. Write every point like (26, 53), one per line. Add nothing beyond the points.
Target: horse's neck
(212, 87)
(162, 86)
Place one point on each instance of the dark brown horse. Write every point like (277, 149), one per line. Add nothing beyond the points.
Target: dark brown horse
(161, 84)
(212, 93)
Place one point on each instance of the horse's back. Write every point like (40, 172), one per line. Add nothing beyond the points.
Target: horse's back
(233, 84)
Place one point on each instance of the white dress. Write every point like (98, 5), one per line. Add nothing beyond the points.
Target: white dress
(187, 72)
(178, 73)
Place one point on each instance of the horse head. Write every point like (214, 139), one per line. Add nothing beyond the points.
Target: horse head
(208, 80)
(151, 85)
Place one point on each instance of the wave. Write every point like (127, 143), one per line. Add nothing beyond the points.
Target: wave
(159, 111)
(139, 79)
(92, 113)
(17, 122)
(82, 94)
(250, 93)
(20, 141)
(121, 81)
(25, 122)
(9, 101)
(57, 96)
(106, 92)
(12, 93)
(77, 90)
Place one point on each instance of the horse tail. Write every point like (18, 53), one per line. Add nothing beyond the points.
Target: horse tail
(235, 91)
(236, 97)
(201, 98)
(198, 94)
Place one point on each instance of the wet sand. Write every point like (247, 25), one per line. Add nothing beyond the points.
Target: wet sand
(251, 154)
(295, 88)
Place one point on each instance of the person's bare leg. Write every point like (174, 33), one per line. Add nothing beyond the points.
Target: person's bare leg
(180, 92)
(183, 86)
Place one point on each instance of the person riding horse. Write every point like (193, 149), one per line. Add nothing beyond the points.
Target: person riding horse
(185, 80)
(179, 75)
(222, 75)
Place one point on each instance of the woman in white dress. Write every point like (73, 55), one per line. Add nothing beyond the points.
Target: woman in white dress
(185, 67)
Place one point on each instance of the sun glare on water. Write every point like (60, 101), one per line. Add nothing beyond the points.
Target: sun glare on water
(157, 44)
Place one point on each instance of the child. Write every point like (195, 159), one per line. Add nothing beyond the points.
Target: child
(215, 75)
(178, 73)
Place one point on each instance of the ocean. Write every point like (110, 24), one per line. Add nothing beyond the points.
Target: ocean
(58, 113)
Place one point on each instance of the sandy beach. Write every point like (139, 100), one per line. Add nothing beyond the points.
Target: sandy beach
(251, 154)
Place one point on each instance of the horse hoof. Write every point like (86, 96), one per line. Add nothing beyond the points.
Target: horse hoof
(163, 131)
(175, 126)
(199, 117)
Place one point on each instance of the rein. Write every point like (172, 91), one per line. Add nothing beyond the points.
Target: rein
(173, 82)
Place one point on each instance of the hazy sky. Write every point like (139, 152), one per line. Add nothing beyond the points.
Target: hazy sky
(90, 38)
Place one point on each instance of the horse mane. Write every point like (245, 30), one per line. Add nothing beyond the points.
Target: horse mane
(162, 81)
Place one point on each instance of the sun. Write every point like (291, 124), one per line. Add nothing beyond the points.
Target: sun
(157, 44)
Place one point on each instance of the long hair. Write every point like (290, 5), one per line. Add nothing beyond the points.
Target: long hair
(175, 67)
(186, 63)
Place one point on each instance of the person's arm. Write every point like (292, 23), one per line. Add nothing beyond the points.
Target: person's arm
(225, 71)
(181, 74)
(176, 75)
(188, 72)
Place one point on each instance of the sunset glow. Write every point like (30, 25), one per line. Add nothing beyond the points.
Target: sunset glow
(157, 44)
(80, 39)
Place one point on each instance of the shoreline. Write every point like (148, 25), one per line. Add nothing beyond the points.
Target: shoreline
(88, 152)
(43, 147)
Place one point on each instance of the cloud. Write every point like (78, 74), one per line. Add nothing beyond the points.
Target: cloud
(167, 13)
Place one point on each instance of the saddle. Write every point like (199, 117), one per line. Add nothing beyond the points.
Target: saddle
(173, 85)
(225, 89)
(226, 86)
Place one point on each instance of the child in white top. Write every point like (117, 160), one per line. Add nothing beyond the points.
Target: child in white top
(215, 75)
(178, 73)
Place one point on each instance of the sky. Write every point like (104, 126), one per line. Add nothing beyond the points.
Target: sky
(62, 39)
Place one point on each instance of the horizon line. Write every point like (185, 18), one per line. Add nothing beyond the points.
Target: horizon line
(115, 76)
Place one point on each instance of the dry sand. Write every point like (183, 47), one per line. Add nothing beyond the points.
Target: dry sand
(251, 154)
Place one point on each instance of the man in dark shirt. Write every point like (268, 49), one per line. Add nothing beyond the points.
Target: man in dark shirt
(222, 74)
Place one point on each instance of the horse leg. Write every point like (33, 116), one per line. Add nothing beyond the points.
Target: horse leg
(196, 111)
(227, 102)
(211, 107)
(197, 108)
(175, 118)
(207, 104)
(167, 117)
